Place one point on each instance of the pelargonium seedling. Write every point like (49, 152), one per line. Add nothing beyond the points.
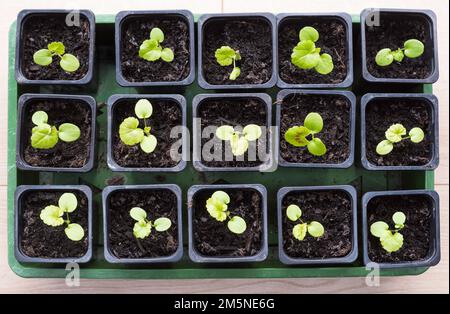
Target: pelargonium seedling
(239, 140)
(391, 240)
(305, 55)
(131, 134)
(46, 136)
(395, 134)
(217, 207)
(52, 215)
(227, 56)
(44, 57)
(412, 48)
(143, 227)
(151, 49)
(314, 228)
(298, 135)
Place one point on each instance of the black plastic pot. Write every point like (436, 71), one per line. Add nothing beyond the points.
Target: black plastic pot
(24, 100)
(114, 99)
(123, 16)
(346, 20)
(111, 258)
(349, 258)
(21, 191)
(22, 18)
(195, 256)
(205, 19)
(434, 113)
(196, 131)
(352, 100)
(434, 255)
(369, 17)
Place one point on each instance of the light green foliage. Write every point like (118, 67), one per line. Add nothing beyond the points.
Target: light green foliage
(226, 56)
(217, 207)
(412, 48)
(45, 136)
(143, 227)
(44, 57)
(52, 215)
(391, 240)
(151, 49)
(314, 228)
(395, 134)
(239, 140)
(298, 135)
(306, 55)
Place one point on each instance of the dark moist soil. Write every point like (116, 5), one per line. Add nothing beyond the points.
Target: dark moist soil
(166, 115)
(40, 30)
(416, 233)
(333, 209)
(40, 240)
(63, 155)
(393, 31)
(381, 114)
(335, 112)
(213, 238)
(235, 112)
(252, 37)
(157, 204)
(332, 40)
(135, 30)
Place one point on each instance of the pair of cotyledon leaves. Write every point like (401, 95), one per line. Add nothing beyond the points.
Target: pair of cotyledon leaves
(151, 49)
(239, 140)
(314, 228)
(395, 134)
(217, 207)
(142, 228)
(391, 241)
(412, 48)
(44, 57)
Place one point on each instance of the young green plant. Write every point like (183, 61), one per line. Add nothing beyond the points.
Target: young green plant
(52, 215)
(298, 135)
(217, 207)
(44, 57)
(46, 136)
(151, 49)
(306, 55)
(314, 228)
(226, 56)
(131, 134)
(395, 134)
(391, 240)
(412, 48)
(143, 227)
(239, 140)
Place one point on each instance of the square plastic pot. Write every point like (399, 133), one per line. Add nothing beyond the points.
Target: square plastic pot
(434, 254)
(346, 19)
(429, 15)
(432, 101)
(196, 132)
(175, 257)
(350, 257)
(22, 18)
(123, 16)
(203, 21)
(18, 210)
(24, 100)
(114, 99)
(352, 100)
(195, 256)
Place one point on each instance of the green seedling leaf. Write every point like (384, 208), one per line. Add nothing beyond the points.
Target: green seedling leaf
(143, 109)
(293, 212)
(68, 202)
(225, 55)
(138, 214)
(413, 48)
(313, 122)
(252, 132)
(384, 147)
(216, 208)
(398, 55)
(384, 57)
(315, 229)
(74, 232)
(129, 132)
(43, 57)
(149, 143)
(305, 56)
(39, 117)
(235, 73)
(221, 196)
(147, 46)
(52, 215)
(142, 229)
(325, 64)
(299, 231)
(399, 219)
(296, 136)
(153, 55)
(44, 136)
(239, 145)
(57, 47)
(417, 135)
(316, 147)
(157, 34)
(167, 55)
(68, 132)
(69, 63)
(162, 224)
(225, 132)
(392, 242)
(395, 133)
(379, 229)
(237, 225)
(309, 33)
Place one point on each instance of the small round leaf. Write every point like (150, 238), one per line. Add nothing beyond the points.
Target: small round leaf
(43, 57)
(148, 143)
(221, 196)
(399, 218)
(395, 133)
(379, 228)
(316, 147)
(239, 145)
(391, 242)
(384, 57)
(167, 55)
(293, 212)
(147, 46)
(413, 48)
(252, 132)
(129, 132)
(314, 122)
(138, 213)
(325, 64)
(74, 232)
(235, 73)
(157, 34)
(417, 135)
(44, 136)
(39, 117)
(68, 132)
(224, 55)
(142, 229)
(316, 229)
(52, 215)
(216, 208)
(225, 132)
(299, 231)
(57, 47)
(296, 136)
(69, 63)
(162, 224)
(68, 202)
(143, 109)
(305, 55)
(237, 225)
(384, 147)
(309, 33)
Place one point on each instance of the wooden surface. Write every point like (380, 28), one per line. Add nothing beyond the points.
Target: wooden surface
(436, 280)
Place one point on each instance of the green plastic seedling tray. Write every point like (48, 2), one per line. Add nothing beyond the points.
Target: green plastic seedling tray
(361, 179)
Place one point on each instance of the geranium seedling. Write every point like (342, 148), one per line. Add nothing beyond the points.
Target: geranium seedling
(306, 55)
(412, 48)
(226, 56)
(314, 228)
(53, 216)
(217, 207)
(131, 134)
(143, 227)
(395, 134)
(298, 135)
(391, 240)
(46, 136)
(44, 57)
(239, 140)
(151, 49)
